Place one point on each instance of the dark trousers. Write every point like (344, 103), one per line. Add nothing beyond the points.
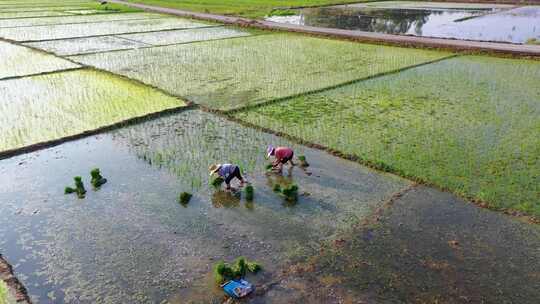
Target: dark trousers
(236, 173)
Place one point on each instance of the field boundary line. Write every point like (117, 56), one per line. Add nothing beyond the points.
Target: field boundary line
(43, 73)
(339, 85)
(150, 46)
(379, 166)
(106, 128)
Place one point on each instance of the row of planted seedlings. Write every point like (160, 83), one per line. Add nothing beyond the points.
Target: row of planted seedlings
(456, 124)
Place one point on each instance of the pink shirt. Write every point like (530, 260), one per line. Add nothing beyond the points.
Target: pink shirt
(283, 152)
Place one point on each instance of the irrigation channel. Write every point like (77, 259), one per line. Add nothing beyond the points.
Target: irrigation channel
(154, 100)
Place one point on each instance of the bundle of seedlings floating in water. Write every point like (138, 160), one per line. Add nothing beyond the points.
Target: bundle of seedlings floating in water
(184, 198)
(250, 192)
(217, 181)
(290, 192)
(303, 162)
(97, 180)
(224, 272)
(79, 188)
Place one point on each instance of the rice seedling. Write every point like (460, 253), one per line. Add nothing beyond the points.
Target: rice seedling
(74, 19)
(249, 192)
(34, 14)
(241, 266)
(276, 188)
(79, 188)
(303, 161)
(290, 193)
(70, 103)
(20, 61)
(271, 66)
(184, 36)
(96, 179)
(184, 198)
(63, 31)
(217, 182)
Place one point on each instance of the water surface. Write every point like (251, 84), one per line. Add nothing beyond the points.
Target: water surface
(131, 242)
(456, 21)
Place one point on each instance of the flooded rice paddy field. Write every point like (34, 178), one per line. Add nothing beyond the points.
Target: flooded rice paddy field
(26, 22)
(468, 21)
(63, 31)
(47, 107)
(19, 61)
(78, 46)
(459, 123)
(26, 9)
(355, 234)
(232, 73)
(131, 241)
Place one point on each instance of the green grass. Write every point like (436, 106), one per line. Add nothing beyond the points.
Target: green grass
(231, 73)
(113, 7)
(244, 8)
(468, 124)
(40, 108)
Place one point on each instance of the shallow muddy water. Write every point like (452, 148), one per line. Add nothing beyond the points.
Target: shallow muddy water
(456, 21)
(429, 247)
(131, 242)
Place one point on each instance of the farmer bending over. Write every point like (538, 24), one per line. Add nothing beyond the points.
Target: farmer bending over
(282, 155)
(227, 172)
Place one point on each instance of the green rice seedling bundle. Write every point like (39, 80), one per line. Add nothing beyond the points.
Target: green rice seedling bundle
(96, 179)
(216, 182)
(184, 198)
(79, 188)
(303, 162)
(241, 266)
(250, 192)
(276, 188)
(290, 192)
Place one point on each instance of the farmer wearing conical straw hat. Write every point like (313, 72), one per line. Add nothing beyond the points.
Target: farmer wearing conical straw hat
(282, 156)
(227, 172)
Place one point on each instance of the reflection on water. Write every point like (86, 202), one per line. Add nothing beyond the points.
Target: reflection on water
(486, 24)
(382, 20)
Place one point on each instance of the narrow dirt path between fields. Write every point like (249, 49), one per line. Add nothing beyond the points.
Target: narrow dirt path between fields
(409, 41)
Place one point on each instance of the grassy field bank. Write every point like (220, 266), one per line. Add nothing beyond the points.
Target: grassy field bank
(244, 8)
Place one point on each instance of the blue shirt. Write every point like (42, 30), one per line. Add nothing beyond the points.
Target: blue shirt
(226, 169)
